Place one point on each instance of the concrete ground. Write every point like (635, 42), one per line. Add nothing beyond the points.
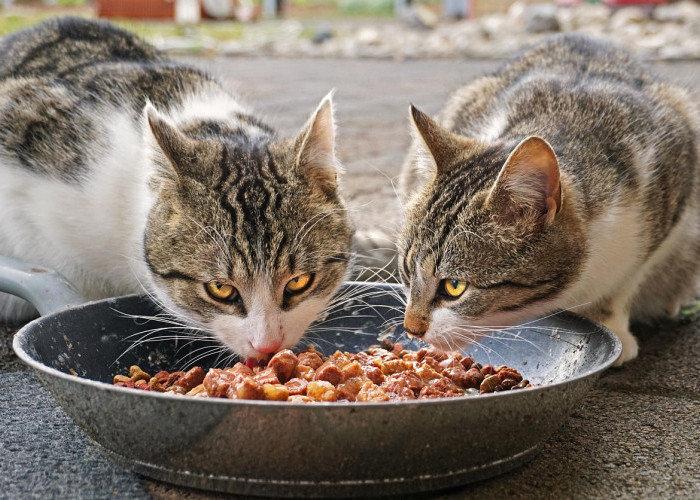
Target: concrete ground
(635, 435)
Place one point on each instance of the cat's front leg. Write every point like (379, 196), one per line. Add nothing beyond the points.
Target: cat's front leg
(619, 322)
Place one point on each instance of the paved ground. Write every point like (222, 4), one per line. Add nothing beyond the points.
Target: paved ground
(635, 436)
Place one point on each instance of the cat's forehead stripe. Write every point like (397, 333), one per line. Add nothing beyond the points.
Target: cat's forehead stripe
(251, 186)
(229, 176)
(279, 252)
(478, 173)
(448, 202)
(255, 207)
(271, 166)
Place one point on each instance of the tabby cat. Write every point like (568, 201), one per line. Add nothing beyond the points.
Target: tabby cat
(121, 168)
(569, 179)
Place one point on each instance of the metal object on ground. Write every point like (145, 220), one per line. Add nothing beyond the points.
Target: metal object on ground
(320, 449)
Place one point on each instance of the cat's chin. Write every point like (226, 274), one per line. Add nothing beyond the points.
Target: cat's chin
(449, 331)
(452, 340)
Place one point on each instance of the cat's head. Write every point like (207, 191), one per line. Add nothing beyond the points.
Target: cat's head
(489, 240)
(248, 238)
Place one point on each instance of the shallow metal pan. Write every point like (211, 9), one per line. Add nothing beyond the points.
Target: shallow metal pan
(283, 449)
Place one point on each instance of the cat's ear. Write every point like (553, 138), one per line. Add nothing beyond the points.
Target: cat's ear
(528, 184)
(315, 148)
(178, 149)
(442, 146)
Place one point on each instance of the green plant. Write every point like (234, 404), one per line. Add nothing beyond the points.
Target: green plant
(366, 7)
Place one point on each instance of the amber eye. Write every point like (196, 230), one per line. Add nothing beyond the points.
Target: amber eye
(453, 288)
(218, 291)
(299, 284)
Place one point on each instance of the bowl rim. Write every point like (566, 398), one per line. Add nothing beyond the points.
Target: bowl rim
(20, 339)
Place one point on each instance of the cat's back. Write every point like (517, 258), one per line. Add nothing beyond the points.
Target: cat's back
(71, 89)
(613, 123)
(578, 57)
(627, 142)
(95, 63)
(61, 46)
(550, 87)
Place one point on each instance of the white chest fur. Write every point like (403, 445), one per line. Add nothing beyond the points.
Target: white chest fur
(89, 231)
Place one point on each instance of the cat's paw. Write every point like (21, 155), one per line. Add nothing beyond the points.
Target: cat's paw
(630, 347)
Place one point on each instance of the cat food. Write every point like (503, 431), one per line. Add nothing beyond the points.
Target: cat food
(381, 373)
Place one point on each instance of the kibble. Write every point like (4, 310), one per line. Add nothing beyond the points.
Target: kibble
(382, 373)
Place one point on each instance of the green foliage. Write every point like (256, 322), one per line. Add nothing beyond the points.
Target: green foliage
(72, 3)
(691, 309)
(10, 24)
(314, 3)
(366, 7)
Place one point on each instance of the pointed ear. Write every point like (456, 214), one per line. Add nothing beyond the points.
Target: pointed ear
(444, 147)
(315, 148)
(528, 183)
(177, 148)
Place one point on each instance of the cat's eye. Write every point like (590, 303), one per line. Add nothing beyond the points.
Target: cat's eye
(452, 288)
(221, 292)
(299, 284)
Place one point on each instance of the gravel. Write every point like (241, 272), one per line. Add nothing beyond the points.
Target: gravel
(669, 32)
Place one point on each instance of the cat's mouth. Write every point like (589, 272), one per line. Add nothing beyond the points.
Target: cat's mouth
(414, 334)
(253, 362)
(262, 352)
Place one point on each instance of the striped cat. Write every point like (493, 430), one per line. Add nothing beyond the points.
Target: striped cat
(121, 168)
(569, 179)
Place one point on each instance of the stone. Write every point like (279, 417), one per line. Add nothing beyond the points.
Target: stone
(321, 36)
(626, 16)
(671, 33)
(495, 26)
(244, 11)
(368, 36)
(541, 18)
(516, 12)
(587, 15)
(686, 12)
(420, 16)
(218, 9)
(184, 44)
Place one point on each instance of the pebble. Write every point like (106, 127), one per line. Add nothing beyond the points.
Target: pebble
(670, 32)
(541, 18)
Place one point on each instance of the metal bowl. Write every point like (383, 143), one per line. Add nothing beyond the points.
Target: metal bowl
(310, 450)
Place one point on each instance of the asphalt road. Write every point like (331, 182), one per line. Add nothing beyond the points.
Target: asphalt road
(635, 436)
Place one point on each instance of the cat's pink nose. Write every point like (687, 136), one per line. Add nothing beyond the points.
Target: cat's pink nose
(268, 347)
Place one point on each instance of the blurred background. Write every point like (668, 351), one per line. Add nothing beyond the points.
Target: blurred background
(396, 29)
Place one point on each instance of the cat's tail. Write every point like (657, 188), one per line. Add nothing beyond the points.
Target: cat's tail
(376, 257)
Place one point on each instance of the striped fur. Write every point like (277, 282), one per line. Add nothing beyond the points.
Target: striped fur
(621, 240)
(122, 169)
